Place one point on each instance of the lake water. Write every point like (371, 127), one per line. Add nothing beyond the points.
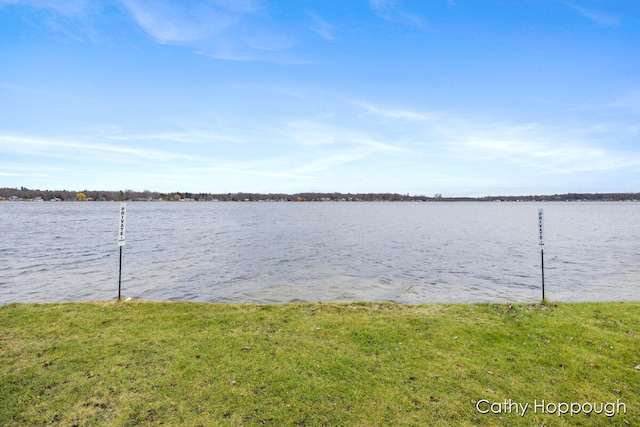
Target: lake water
(286, 252)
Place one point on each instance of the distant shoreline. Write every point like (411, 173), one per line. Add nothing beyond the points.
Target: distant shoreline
(25, 194)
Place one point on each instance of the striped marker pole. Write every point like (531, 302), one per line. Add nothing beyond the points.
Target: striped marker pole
(121, 235)
(541, 244)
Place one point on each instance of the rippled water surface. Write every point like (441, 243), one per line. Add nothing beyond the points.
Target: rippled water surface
(282, 252)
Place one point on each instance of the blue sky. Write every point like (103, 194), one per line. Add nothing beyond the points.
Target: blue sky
(463, 98)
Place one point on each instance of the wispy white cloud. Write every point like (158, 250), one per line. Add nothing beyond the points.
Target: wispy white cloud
(67, 20)
(629, 100)
(260, 168)
(237, 30)
(382, 5)
(394, 114)
(67, 8)
(375, 145)
(34, 172)
(326, 147)
(31, 170)
(535, 148)
(321, 27)
(446, 144)
(391, 10)
(195, 137)
(332, 160)
(221, 29)
(454, 153)
(55, 175)
(270, 41)
(64, 148)
(310, 133)
(172, 22)
(602, 19)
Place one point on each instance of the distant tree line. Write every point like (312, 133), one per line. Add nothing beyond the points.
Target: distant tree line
(147, 195)
(569, 197)
(23, 193)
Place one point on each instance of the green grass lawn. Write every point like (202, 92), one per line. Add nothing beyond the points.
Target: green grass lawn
(368, 364)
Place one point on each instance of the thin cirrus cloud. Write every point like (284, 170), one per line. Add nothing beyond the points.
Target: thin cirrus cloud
(317, 147)
(315, 134)
(386, 104)
(331, 161)
(629, 101)
(394, 114)
(536, 149)
(65, 148)
(600, 18)
(321, 27)
(67, 8)
(193, 137)
(381, 5)
(16, 170)
(221, 29)
(168, 22)
(392, 11)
